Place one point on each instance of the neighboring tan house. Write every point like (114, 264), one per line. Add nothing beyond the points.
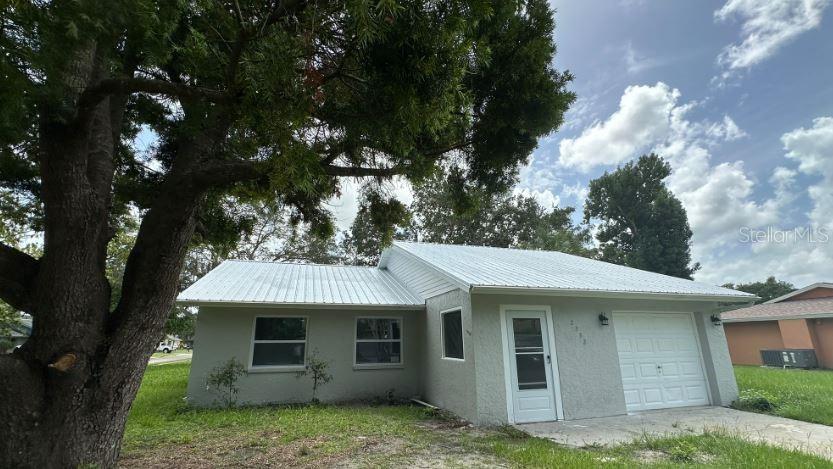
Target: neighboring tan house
(802, 319)
(493, 335)
(19, 334)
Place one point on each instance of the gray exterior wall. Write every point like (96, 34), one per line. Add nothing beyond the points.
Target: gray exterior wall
(475, 389)
(721, 375)
(226, 332)
(588, 362)
(449, 384)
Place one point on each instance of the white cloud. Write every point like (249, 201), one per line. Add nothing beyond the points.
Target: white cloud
(636, 62)
(812, 148)
(642, 118)
(802, 259)
(545, 197)
(766, 26)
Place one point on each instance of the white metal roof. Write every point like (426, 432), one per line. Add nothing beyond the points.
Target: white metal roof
(252, 282)
(497, 269)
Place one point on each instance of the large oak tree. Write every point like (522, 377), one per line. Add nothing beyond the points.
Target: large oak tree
(250, 101)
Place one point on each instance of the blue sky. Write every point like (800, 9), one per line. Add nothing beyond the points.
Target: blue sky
(737, 95)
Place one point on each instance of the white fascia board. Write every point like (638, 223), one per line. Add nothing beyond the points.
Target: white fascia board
(781, 318)
(259, 304)
(504, 290)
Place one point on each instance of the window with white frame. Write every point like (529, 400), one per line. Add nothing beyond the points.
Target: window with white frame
(279, 341)
(452, 324)
(378, 341)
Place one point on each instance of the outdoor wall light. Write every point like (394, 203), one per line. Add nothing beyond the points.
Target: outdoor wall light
(716, 320)
(603, 320)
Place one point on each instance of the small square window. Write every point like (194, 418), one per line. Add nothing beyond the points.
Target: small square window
(452, 324)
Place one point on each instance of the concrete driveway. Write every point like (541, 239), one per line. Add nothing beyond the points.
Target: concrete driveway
(778, 431)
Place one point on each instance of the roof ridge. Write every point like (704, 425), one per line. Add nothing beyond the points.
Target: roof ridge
(314, 264)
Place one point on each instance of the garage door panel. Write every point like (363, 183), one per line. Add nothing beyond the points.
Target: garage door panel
(632, 397)
(625, 346)
(691, 369)
(644, 345)
(660, 360)
(653, 395)
(670, 370)
(697, 392)
(674, 394)
(648, 370)
(665, 345)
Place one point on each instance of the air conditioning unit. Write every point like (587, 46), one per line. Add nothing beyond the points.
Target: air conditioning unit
(792, 358)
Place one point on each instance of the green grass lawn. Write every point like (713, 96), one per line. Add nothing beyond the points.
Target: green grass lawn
(172, 354)
(162, 430)
(798, 394)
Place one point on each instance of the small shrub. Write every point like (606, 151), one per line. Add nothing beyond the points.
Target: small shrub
(317, 370)
(222, 380)
(755, 400)
(682, 452)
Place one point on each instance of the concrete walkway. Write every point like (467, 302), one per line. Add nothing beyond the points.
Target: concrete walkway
(171, 358)
(778, 431)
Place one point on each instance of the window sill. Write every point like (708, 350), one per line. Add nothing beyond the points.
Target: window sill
(276, 369)
(452, 359)
(379, 366)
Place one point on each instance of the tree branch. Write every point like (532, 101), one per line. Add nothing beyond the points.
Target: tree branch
(226, 173)
(17, 272)
(95, 94)
(356, 171)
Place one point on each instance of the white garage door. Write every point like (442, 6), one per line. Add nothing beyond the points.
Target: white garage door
(660, 360)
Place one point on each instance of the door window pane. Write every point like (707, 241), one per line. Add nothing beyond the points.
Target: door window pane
(531, 371)
(527, 334)
(453, 334)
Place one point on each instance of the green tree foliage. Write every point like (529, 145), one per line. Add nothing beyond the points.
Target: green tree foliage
(377, 222)
(446, 212)
(641, 223)
(766, 290)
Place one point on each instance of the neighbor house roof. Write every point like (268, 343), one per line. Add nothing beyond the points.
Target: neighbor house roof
(799, 309)
(512, 270)
(800, 291)
(250, 282)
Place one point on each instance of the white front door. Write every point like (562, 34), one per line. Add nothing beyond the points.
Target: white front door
(660, 360)
(533, 397)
